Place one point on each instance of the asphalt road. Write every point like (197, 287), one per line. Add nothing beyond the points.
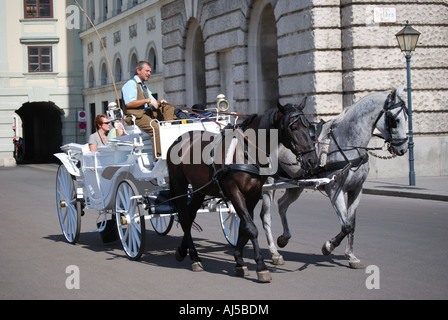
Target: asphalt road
(402, 240)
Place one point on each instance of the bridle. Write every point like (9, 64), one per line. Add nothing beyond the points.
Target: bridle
(292, 144)
(391, 119)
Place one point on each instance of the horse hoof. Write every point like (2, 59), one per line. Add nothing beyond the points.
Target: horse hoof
(242, 271)
(179, 257)
(356, 265)
(277, 260)
(197, 267)
(282, 241)
(264, 276)
(327, 248)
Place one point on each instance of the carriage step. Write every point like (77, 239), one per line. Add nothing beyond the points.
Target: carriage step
(162, 205)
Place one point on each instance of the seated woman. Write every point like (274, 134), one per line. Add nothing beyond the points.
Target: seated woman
(99, 138)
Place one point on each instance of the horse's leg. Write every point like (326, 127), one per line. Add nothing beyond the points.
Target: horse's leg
(245, 212)
(182, 214)
(265, 215)
(241, 268)
(353, 202)
(284, 202)
(187, 215)
(180, 188)
(194, 206)
(339, 204)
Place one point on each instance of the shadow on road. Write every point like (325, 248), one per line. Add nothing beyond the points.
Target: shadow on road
(217, 257)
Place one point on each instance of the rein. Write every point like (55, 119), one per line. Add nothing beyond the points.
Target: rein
(195, 113)
(390, 120)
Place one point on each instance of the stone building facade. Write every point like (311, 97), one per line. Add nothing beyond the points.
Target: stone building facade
(40, 79)
(257, 52)
(130, 31)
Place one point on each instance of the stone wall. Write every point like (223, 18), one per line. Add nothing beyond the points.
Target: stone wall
(373, 62)
(329, 50)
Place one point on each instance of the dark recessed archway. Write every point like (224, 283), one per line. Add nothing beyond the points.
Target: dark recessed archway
(42, 131)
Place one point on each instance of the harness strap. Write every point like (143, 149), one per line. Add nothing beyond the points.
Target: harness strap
(338, 165)
(337, 144)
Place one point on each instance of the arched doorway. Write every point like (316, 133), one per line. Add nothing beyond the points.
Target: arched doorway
(263, 58)
(195, 65)
(42, 131)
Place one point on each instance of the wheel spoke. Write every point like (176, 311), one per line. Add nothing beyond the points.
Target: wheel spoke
(132, 231)
(69, 217)
(230, 223)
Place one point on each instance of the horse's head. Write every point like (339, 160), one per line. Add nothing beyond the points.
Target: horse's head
(295, 134)
(392, 122)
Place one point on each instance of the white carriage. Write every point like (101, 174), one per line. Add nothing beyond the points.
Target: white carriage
(121, 181)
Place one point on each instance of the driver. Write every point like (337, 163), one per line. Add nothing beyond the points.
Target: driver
(140, 102)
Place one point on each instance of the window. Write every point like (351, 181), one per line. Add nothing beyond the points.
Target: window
(91, 78)
(40, 59)
(92, 117)
(104, 10)
(103, 74)
(117, 73)
(152, 59)
(38, 8)
(105, 106)
(118, 5)
(91, 10)
(133, 65)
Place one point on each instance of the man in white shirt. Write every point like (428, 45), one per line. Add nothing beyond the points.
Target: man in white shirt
(139, 102)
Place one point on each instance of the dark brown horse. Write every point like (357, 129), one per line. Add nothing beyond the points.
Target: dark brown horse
(214, 165)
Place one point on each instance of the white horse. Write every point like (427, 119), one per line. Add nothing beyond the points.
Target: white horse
(342, 150)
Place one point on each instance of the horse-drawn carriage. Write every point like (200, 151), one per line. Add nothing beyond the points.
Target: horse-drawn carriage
(122, 182)
(121, 179)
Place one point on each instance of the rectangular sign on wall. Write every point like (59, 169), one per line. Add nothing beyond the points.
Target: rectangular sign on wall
(385, 14)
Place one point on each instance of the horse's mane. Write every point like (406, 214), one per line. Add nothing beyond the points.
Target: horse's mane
(245, 124)
(268, 118)
(366, 103)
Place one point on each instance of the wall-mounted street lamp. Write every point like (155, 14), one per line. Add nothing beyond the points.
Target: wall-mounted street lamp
(407, 40)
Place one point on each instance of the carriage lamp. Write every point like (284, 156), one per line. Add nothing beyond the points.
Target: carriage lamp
(222, 103)
(407, 40)
(114, 112)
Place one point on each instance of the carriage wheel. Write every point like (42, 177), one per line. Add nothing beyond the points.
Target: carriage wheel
(131, 225)
(162, 224)
(230, 223)
(69, 209)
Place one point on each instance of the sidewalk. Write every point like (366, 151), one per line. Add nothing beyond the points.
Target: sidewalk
(428, 188)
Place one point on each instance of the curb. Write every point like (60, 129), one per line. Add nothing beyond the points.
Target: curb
(404, 194)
